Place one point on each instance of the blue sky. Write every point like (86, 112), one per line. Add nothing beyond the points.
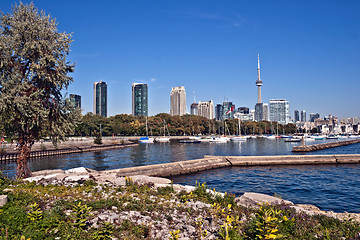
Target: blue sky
(309, 51)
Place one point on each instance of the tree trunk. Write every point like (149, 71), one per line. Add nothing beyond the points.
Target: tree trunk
(22, 170)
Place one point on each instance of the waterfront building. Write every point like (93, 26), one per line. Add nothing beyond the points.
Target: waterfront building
(206, 109)
(296, 116)
(228, 110)
(100, 98)
(75, 100)
(139, 99)
(303, 116)
(178, 101)
(279, 111)
(218, 112)
(261, 110)
(245, 116)
(314, 116)
(243, 110)
(194, 108)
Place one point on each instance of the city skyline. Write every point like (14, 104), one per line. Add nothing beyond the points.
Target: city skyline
(308, 56)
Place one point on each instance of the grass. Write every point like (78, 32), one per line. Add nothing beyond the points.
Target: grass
(70, 212)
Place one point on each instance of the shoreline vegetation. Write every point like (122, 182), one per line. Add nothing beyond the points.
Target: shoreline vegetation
(86, 204)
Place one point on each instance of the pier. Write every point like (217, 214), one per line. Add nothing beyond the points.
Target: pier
(74, 148)
(320, 146)
(213, 162)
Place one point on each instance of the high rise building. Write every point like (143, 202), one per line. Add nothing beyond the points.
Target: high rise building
(279, 111)
(218, 112)
(228, 110)
(243, 110)
(296, 116)
(139, 99)
(75, 100)
(314, 116)
(206, 109)
(100, 98)
(194, 108)
(261, 110)
(303, 116)
(178, 101)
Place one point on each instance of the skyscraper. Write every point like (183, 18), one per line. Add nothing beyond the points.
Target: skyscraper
(206, 109)
(296, 116)
(314, 116)
(139, 99)
(194, 108)
(228, 110)
(279, 111)
(303, 116)
(100, 98)
(75, 100)
(218, 112)
(261, 111)
(178, 101)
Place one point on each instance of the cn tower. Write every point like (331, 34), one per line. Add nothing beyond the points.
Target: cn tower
(259, 83)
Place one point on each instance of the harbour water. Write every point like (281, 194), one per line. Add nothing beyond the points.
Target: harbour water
(330, 187)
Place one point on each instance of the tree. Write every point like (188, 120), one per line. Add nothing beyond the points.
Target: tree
(33, 76)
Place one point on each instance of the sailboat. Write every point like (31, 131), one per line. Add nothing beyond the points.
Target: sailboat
(221, 139)
(238, 138)
(146, 139)
(164, 138)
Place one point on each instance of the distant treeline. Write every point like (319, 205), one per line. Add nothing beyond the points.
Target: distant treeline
(128, 125)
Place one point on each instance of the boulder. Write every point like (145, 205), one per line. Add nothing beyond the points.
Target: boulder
(3, 200)
(77, 170)
(47, 172)
(143, 179)
(251, 199)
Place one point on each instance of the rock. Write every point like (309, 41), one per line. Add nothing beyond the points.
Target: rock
(3, 200)
(251, 199)
(39, 177)
(142, 179)
(76, 178)
(47, 172)
(77, 170)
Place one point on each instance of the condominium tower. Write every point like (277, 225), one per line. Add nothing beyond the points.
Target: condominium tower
(100, 98)
(139, 99)
(178, 101)
(206, 109)
(75, 100)
(279, 111)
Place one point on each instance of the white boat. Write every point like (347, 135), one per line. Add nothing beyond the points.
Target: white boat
(146, 139)
(271, 137)
(205, 139)
(219, 139)
(164, 138)
(194, 138)
(332, 137)
(238, 138)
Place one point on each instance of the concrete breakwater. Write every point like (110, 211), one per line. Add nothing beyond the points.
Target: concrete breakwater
(212, 162)
(315, 147)
(68, 149)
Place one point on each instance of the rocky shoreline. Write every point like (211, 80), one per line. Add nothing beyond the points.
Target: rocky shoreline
(173, 213)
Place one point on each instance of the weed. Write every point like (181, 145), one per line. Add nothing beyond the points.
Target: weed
(104, 233)
(174, 235)
(81, 212)
(35, 213)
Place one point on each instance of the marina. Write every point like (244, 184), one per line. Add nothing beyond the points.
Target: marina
(294, 183)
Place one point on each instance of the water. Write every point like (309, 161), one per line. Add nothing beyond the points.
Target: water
(329, 187)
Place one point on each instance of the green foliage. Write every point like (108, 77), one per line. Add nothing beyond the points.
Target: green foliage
(98, 139)
(165, 190)
(35, 214)
(81, 213)
(128, 125)
(104, 233)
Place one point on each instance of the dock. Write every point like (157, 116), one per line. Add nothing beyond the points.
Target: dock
(214, 162)
(320, 146)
